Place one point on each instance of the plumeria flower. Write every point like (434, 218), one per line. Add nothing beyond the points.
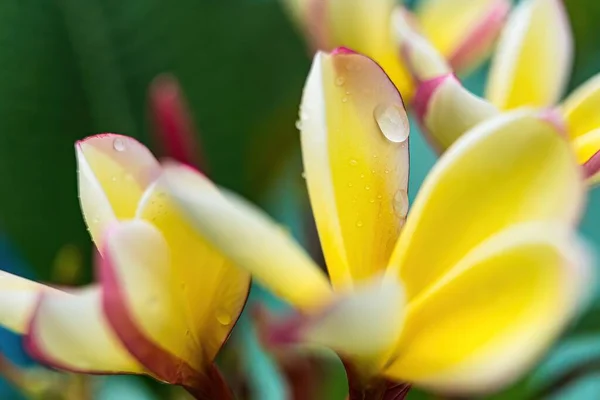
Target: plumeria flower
(464, 293)
(530, 68)
(462, 30)
(165, 300)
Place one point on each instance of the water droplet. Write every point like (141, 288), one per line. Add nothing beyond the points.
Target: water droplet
(114, 179)
(367, 187)
(359, 223)
(353, 162)
(372, 201)
(344, 99)
(299, 125)
(379, 196)
(303, 175)
(349, 184)
(362, 176)
(401, 203)
(387, 171)
(340, 80)
(223, 317)
(119, 144)
(392, 121)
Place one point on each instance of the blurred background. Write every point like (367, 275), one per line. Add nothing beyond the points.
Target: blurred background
(71, 68)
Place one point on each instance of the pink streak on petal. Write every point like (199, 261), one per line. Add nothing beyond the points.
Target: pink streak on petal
(424, 93)
(555, 118)
(481, 36)
(343, 50)
(173, 126)
(592, 166)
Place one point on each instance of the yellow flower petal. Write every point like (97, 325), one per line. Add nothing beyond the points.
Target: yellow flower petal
(248, 238)
(364, 26)
(446, 110)
(354, 133)
(587, 150)
(581, 108)
(69, 331)
(533, 58)
(210, 291)
(464, 30)
(18, 297)
(513, 168)
(493, 315)
(113, 172)
(422, 59)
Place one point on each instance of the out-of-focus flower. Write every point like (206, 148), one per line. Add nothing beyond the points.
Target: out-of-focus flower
(462, 296)
(165, 301)
(530, 68)
(462, 30)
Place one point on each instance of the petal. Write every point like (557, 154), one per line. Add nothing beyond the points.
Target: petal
(211, 291)
(174, 128)
(513, 168)
(113, 172)
(422, 59)
(463, 31)
(492, 317)
(361, 324)
(587, 150)
(354, 133)
(247, 237)
(446, 110)
(364, 26)
(581, 108)
(69, 331)
(534, 56)
(18, 297)
(142, 305)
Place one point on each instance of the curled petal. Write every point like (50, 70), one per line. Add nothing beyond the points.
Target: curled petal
(533, 60)
(354, 133)
(581, 108)
(113, 172)
(365, 26)
(422, 59)
(489, 319)
(247, 237)
(446, 110)
(587, 150)
(69, 331)
(18, 297)
(464, 31)
(494, 176)
(361, 324)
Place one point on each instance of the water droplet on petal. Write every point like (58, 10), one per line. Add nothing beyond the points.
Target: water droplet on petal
(362, 176)
(359, 223)
(119, 144)
(349, 184)
(223, 317)
(367, 187)
(303, 175)
(344, 99)
(392, 121)
(353, 162)
(401, 203)
(299, 125)
(340, 80)
(372, 201)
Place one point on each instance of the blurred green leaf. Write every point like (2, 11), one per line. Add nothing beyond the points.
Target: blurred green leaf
(72, 68)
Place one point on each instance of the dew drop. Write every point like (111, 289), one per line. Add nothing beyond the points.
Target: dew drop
(359, 223)
(362, 176)
(401, 203)
(349, 184)
(340, 80)
(344, 99)
(392, 121)
(299, 125)
(367, 187)
(223, 317)
(353, 162)
(372, 201)
(119, 144)
(303, 175)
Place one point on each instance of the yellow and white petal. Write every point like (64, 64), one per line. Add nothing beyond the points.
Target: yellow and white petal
(354, 134)
(248, 238)
(361, 324)
(365, 27)
(18, 299)
(69, 331)
(587, 150)
(581, 108)
(421, 58)
(533, 59)
(113, 172)
(513, 168)
(486, 322)
(463, 31)
(210, 290)
(446, 110)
